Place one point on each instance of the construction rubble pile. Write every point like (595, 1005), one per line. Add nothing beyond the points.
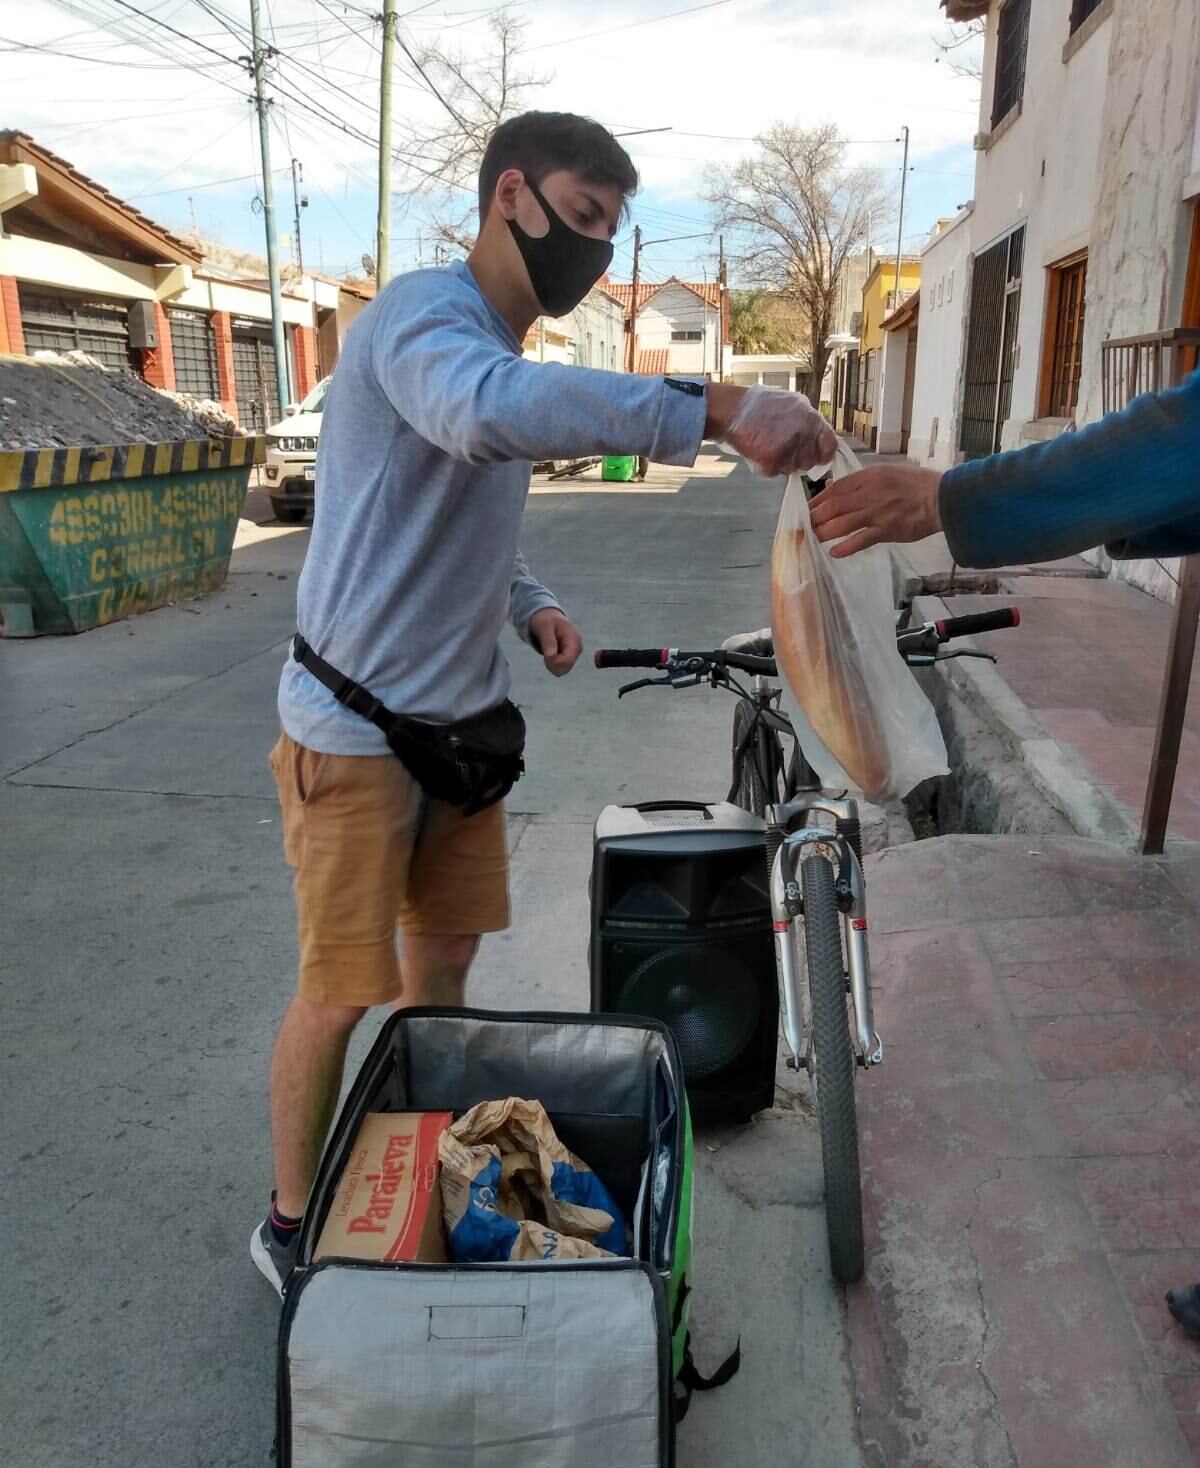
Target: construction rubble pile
(52, 401)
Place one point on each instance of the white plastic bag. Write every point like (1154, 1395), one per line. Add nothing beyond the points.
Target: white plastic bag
(865, 722)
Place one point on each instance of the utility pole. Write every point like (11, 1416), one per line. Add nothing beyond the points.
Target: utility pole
(257, 59)
(900, 226)
(633, 300)
(723, 303)
(300, 201)
(383, 242)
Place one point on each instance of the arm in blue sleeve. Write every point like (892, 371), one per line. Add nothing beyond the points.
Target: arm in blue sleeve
(526, 597)
(1131, 481)
(447, 375)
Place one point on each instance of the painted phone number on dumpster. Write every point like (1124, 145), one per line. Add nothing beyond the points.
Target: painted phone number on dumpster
(140, 515)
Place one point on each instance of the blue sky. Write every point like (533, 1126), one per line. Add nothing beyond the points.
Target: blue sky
(167, 125)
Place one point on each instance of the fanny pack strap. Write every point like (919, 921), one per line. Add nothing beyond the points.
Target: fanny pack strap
(355, 697)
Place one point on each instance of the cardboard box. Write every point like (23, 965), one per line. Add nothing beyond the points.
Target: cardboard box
(388, 1202)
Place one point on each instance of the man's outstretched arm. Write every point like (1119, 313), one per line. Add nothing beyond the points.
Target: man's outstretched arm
(1131, 482)
(448, 377)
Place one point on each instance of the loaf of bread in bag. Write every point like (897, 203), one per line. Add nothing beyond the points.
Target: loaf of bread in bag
(814, 647)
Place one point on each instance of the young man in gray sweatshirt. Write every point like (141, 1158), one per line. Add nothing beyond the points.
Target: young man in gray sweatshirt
(431, 425)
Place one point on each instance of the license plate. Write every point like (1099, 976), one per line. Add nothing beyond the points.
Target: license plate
(310, 472)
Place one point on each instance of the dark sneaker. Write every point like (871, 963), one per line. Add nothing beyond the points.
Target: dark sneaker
(1184, 1305)
(275, 1261)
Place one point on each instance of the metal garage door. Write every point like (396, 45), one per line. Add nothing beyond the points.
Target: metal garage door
(194, 348)
(59, 323)
(254, 376)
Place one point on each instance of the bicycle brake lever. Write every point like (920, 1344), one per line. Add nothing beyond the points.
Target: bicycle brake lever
(643, 683)
(966, 652)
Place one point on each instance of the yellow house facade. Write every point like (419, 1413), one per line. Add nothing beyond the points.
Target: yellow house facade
(879, 299)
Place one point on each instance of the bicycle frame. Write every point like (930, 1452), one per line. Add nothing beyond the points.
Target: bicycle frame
(804, 842)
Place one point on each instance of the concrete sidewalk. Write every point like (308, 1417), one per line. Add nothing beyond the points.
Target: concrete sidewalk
(1030, 1149)
(1076, 692)
(148, 951)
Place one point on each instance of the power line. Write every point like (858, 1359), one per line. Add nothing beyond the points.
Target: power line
(191, 188)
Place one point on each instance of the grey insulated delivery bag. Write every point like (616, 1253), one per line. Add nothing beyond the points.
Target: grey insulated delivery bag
(569, 1364)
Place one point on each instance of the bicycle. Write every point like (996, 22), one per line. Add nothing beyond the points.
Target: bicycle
(815, 873)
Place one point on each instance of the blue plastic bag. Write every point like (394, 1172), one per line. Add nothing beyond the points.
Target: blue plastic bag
(511, 1191)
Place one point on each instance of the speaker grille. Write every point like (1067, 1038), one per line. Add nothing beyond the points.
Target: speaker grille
(708, 997)
(674, 820)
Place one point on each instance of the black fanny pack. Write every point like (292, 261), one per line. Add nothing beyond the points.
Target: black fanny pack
(471, 764)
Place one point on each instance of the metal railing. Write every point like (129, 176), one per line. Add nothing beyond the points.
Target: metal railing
(1133, 365)
(1129, 366)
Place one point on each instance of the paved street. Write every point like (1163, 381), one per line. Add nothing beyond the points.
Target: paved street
(148, 952)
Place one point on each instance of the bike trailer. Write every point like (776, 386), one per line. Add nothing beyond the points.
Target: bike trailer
(570, 1364)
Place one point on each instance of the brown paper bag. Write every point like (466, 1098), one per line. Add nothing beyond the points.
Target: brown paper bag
(512, 1191)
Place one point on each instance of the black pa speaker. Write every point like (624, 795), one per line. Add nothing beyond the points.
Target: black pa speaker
(681, 932)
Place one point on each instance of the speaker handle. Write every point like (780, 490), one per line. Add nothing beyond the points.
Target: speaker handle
(700, 805)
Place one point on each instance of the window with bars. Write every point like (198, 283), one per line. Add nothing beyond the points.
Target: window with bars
(1063, 362)
(1011, 45)
(687, 336)
(76, 323)
(1080, 10)
(194, 349)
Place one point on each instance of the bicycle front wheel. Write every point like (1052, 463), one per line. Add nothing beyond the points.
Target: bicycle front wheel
(832, 1071)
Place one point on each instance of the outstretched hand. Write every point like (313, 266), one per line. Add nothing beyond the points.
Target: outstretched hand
(557, 639)
(890, 504)
(776, 432)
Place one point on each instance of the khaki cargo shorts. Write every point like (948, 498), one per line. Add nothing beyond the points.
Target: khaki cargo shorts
(371, 854)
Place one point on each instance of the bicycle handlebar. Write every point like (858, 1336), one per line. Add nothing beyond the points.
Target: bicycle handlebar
(672, 657)
(977, 622)
(915, 644)
(631, 657)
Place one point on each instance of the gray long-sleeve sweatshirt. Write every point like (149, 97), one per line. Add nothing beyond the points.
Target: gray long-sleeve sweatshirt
(431, 425)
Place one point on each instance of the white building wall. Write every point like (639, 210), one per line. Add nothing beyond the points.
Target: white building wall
(1043, 172)
(1148, 187)
(889, 389)
(676, 309)
(598, 330)
(767, 370)
(945, 271)
(66, 268)
(593, 335)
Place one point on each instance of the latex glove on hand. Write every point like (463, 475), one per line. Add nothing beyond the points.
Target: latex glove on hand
(556, 639)
(779, 432)
(886, 503)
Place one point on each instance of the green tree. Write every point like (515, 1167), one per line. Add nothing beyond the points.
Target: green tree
(761, 322)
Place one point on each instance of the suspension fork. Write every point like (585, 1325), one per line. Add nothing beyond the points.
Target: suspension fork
(816, 844)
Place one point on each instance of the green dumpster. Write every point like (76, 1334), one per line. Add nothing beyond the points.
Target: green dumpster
(90, 535)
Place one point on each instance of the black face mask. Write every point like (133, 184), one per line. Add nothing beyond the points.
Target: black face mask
(563, 264)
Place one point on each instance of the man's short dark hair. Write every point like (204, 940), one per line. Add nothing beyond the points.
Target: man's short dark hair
(541, 143)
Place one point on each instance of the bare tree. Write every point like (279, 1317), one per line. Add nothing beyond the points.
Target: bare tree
(474, 94)
(797, 213)
(963, 62)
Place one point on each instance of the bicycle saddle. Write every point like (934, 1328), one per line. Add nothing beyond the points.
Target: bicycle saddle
(758, 644)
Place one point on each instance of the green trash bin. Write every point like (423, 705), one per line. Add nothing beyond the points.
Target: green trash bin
(91, 535)
(619, 468)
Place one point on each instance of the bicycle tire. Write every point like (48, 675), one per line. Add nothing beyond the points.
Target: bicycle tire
(832, 1071)
(751, 794)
